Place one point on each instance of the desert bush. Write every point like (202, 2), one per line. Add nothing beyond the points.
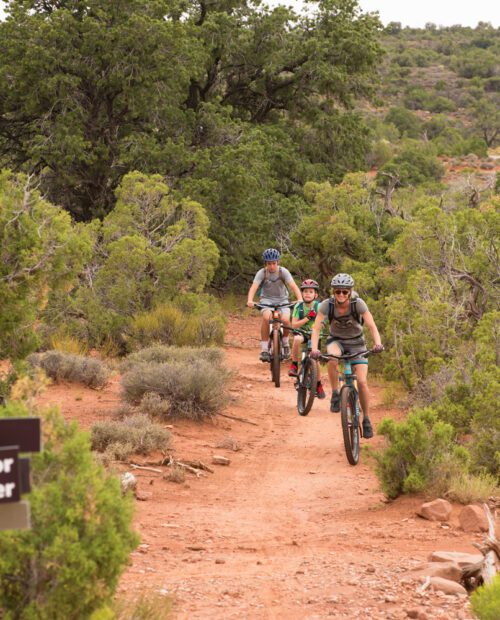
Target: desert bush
(193, 390)
(170, 325)
(136, 434)
(151, 606)
(485, 601)
(420, 452)
(61, 341)
(68, 564)
(160, 354)
(154, 405)
(473, 488)
(65, 366)
(176, 474)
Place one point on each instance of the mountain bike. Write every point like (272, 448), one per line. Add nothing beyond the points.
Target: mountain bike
(307, 376)
(350, 411)
(275, 345)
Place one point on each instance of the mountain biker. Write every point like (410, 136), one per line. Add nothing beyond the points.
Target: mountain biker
(271, 283)
(346, 313)
(303, 317)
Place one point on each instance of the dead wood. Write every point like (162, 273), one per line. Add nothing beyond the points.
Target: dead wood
(142, 467)
(234, 417)
(474, 575)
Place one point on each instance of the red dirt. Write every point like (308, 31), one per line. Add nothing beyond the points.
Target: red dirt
(289, 529)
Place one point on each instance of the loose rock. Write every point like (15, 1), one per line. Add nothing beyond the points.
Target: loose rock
(473, 519)
(220, 460)
(445, 585)
(437, 510)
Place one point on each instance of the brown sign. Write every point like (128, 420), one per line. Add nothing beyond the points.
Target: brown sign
(15, 516)
(10, 490)
(22, 432)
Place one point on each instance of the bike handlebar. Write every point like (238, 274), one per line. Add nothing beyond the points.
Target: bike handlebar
(325, 357)
(274, 306)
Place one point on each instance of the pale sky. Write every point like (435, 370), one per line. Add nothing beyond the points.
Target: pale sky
(417, 13)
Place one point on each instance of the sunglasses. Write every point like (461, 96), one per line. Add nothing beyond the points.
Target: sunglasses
(339, 292)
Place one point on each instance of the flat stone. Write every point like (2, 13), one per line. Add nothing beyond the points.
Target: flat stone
(473, 519)
(446, 570)
(143, 496)
(462, 559)
(220, 460)
(447, 586)
(437, 510)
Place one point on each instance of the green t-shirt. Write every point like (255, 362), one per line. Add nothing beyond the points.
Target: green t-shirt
(314, 305)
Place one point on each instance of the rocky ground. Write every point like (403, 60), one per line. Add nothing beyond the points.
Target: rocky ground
(288, 529)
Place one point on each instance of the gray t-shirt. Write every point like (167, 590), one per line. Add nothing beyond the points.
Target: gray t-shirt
(273, 290)
(345, 327)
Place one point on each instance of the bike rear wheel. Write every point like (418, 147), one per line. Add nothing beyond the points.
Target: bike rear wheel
(350, 424)
(306, 391)
(276, 358)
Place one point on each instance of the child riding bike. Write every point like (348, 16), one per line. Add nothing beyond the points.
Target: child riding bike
(271, 283)
(303, 316)
(346, 313)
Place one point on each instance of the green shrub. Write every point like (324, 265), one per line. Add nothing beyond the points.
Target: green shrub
(65, 366)
(485, 601)
(193, 390)
(68, 564)
(421, 453)
(136, 434)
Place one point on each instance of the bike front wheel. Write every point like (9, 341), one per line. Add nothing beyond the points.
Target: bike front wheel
(276, 358)
(308, 381)
(350, 424)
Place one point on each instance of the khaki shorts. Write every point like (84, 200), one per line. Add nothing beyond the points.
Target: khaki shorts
(348, 347)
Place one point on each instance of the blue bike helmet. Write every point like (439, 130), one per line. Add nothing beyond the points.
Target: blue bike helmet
(270, 255)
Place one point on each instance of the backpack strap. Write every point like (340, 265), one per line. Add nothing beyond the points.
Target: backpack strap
(353, 309)
(301, 310)
(280, 273)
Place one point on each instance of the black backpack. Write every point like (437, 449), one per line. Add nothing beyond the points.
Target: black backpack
(352, 307)
(301, 308)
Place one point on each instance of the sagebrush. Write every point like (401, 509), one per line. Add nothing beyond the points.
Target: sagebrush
(193, 390)
(136, 434)
(66, 366)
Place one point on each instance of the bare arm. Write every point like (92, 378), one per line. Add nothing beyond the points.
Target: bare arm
(251, 294)
(316, 331)
(370, 323)
(296, 290)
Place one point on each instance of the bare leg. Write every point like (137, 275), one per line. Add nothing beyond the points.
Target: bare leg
(333, 365)
(264, 327)
(364, 392)
(297, 341)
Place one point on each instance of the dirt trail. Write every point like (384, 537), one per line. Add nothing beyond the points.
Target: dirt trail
(289, 529)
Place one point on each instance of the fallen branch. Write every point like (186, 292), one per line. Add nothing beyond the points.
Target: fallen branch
(234, 417)
(484, 571)
(174, 463)
(135, 466)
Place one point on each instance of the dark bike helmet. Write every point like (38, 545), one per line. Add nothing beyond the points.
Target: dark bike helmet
(270, 255)
(342, 280)
(309, 284)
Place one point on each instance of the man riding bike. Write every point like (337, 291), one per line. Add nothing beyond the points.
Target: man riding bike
(346, 313)
(271, 283)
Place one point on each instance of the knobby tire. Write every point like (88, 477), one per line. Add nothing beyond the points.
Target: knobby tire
(350, 427)
(276, 358)
(306, 392)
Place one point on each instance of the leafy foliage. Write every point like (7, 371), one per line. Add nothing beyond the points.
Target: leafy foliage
(485, 601)
(68, 564)
(41, 252)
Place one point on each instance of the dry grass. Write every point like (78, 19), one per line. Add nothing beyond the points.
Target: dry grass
(66, 366)
(162, 354)
(471, 489)
(153, 606)
(154, 405)
(175, 474)
(193, 390)
(136, 434)
(228, 443)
